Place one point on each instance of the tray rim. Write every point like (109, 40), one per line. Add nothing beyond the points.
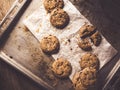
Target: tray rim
(25, 71)
(12, 62)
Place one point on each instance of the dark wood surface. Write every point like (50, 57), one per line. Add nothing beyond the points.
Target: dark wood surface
(98, 12)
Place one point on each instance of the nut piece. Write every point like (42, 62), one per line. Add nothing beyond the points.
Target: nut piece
(50, 44)
(61, 68)
(59, 18)
(85, 45)
(52, 4)
(89, 60)
(96, 38)
(86, 30)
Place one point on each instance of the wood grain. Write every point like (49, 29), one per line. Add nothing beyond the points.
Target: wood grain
(96, 11)
(4, 7)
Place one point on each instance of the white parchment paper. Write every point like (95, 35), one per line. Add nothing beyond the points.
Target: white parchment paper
(38, 23)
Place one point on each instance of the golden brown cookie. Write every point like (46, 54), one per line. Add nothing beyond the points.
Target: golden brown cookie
(77, 82)
(89, 60)
(61, 68)
(59, 18)
(52, 4)
(50, 44)
(86, 30)
(88, 76)
(85, 44)
(96, 38)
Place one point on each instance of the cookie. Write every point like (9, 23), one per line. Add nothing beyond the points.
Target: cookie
(50, 44)
(50, 5)
(89, 60)
(88, 77)
(59, 18)
(86, 30)
(84, 44)
(61, 68)
(77, 82)
(96, 38)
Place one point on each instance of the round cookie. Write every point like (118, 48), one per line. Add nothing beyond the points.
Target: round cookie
(88, 76)
(85, 45)
(61, 68)
(89, 60)
(49, 44)
(86, 30)
(52, 4)
(59, 18)
(77, 82)
(96, 38)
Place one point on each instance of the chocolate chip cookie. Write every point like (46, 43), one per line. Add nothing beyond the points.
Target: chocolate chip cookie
(85, 44)
(61, 68)
(77, 82)
(59, 18)
(96, 38)
(86, 30)
(88, 76)
(89, 60)
(50, 44)
(52, 4)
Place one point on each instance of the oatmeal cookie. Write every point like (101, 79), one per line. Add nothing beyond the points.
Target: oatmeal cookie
(52, 4)
(88, 76)
(77, 82)
(61, 68)
(89, 60)
(96, 38)
(50, 44)
(86, 30)
(59, 18)
(85, 45)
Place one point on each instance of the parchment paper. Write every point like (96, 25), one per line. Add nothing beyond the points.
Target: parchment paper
(38, 23)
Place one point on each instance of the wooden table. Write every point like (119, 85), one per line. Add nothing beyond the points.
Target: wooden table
(11, 79)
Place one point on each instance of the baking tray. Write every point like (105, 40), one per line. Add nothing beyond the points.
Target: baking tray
(19, 48)
(113, 77)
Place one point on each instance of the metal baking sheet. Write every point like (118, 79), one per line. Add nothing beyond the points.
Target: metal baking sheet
(38, 23)
(111, 76)
(19, 48)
